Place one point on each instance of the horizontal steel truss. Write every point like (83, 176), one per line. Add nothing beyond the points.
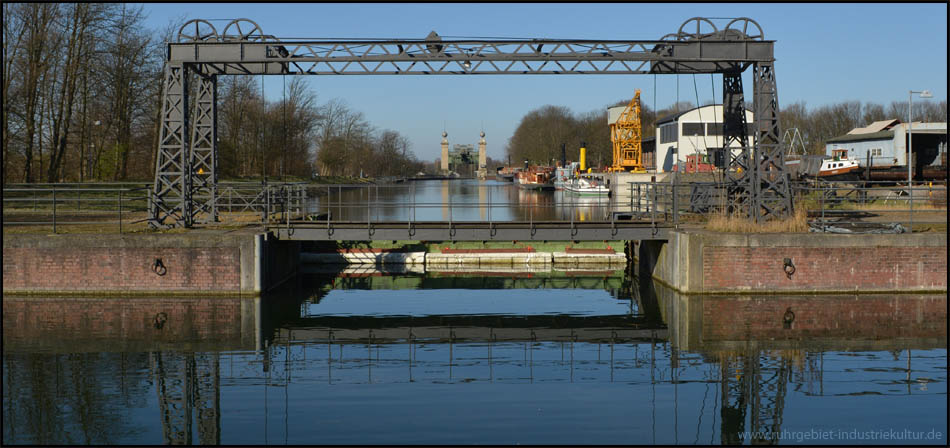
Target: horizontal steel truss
(415, 57)
(470, 231)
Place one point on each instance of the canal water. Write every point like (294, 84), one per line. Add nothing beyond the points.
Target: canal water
(555, 357)
(455, 200)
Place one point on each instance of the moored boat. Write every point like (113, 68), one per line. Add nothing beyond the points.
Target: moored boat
(564, 174)
(536, 178)
(588, 185)
(506, 174)
(839, 167)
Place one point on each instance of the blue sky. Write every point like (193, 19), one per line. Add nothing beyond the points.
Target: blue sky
(825, 53)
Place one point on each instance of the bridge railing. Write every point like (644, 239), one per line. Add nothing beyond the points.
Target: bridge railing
(402, 202)
(270, 200)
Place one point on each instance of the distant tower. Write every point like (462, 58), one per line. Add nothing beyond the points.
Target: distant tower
(482, 162)
(445, 151)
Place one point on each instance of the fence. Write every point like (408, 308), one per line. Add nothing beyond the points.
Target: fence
(103, 204)
(871, 206)
(283, 200)
(830, 207)
(121, 203)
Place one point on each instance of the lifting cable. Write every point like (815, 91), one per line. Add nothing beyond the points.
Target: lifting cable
(283, 150)
(260, 148)
(699, 111)
(725, 154)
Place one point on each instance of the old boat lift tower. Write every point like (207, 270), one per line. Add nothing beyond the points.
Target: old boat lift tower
(186, 170)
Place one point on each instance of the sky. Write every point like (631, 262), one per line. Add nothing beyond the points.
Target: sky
(825, 53)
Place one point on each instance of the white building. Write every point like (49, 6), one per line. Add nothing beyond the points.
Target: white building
(692, 132)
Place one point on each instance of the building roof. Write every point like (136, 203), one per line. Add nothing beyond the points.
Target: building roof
(674, 117)
(877, 126)
(882, 135)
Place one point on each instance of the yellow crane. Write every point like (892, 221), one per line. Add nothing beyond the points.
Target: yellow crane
(625, 134)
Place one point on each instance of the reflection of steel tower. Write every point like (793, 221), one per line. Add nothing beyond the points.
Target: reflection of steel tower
(768, 401)
(180, 387)
(734, 374)
(743, 386)
(173, 386)
(207, 397)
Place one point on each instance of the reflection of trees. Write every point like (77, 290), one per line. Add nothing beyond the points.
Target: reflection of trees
(87, 398)
(80, 398)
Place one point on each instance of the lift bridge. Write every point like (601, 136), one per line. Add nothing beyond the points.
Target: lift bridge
(186, 171)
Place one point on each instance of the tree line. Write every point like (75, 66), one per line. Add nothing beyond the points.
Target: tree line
(82, 86)
(541, 132)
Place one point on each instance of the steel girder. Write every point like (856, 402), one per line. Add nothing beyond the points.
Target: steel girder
(771, 190)
(734, 133)
(204, 154)
(171, 194)
(471, 57)
(186, 171)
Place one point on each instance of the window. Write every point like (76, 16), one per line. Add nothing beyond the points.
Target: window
(693, 129)
(713, 128)
(877, 152)
(668, 133)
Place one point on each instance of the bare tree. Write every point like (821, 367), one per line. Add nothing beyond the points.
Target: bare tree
(39, 18)
(14, 31)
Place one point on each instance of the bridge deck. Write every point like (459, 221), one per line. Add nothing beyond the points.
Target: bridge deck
(470, 230)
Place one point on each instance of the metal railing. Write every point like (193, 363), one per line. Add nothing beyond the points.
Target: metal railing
(261, 196)
(831, 207)
(122, 203)
(866, 207)
(101, 204)
(375, 203)
(872, 207)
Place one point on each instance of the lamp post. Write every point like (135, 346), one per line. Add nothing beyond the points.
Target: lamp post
(910, 148)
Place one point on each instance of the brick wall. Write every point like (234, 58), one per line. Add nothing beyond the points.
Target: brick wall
(699, 261)
(880, 317)
(121, 268)
(825, 268)
(125, 323)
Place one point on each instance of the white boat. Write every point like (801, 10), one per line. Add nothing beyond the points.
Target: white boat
(588, 185)
(839, 166)
(563, 175)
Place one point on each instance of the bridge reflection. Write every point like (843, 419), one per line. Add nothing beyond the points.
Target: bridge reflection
(742, 346)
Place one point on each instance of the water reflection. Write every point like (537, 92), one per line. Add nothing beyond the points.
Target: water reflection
(456, 200)
(540, 358)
